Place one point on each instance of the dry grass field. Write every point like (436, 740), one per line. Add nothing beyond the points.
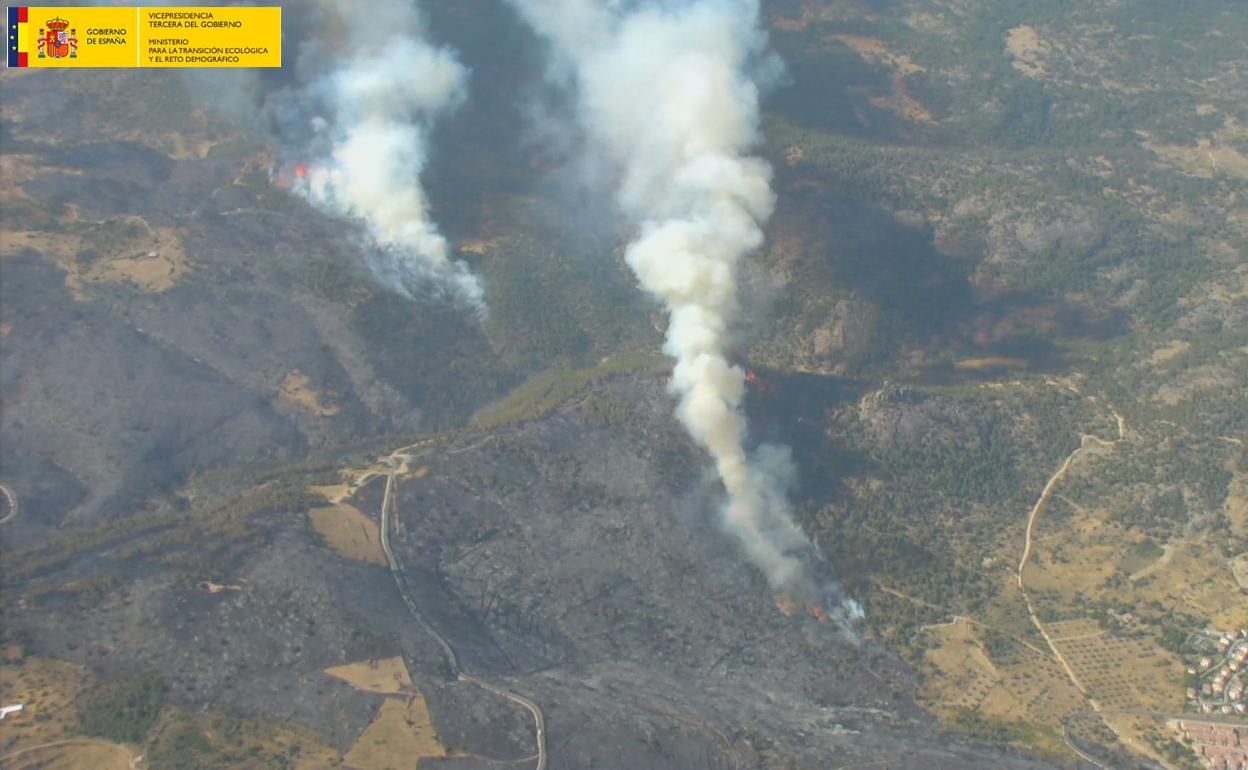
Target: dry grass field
(74, 754)
(127, 250)
(222, 741)
(1090, 554)
(992, 362)
(47, 689)
(156, 270)
(387, 677)
(42, 734)
(349, 532)
(1132, 729)
(352, 480)
(398, 737)
(402, 731)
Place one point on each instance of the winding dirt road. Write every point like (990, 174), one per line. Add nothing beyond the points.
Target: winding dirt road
(1086, 440)
(448, 650)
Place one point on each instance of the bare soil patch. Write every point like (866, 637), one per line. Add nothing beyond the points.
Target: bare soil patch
(1206, 159)
(993, 362)
(296, 392)
(1169, 352)
(1028, 50)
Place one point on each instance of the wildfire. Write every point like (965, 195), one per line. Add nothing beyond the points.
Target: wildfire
(758, 384)
(287, 176)
(789, 608)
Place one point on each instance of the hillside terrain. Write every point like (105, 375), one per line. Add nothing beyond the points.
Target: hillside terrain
(262, 512)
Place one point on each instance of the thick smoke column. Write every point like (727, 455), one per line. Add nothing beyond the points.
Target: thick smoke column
(664, 94)
(381, 104)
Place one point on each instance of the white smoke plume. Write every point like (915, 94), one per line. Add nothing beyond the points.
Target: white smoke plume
(665, 95)
(381, 103)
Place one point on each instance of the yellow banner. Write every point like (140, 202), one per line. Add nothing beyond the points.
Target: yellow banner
(210, 37)
(93, 36)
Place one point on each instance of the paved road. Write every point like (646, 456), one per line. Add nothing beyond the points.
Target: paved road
(1224, 660)
(448, 650)
(1167, 715)
(539, 720)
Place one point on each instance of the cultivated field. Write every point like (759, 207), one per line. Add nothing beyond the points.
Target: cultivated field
(1120, 672)
(1015, 683)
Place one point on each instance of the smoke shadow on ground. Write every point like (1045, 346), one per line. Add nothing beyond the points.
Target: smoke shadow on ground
(792, 408)
(479, 151)
(120, 161)
(828, 87)
(434, 354)
(898, 269)
(909, 294)
(506, 188)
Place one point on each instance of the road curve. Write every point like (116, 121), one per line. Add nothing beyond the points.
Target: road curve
(448, 650)
(1082, 754)
(1042, 503)
(539, 720)
(1085, 440)
(12, 500)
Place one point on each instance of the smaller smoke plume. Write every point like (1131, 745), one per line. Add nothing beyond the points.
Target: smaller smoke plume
(371, 115)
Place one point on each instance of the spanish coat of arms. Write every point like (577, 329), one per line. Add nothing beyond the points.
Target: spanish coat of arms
(58, 42)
